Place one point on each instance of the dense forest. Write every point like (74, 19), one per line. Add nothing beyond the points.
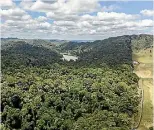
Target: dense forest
(137, 42)
(112, 51)
(40, 91)
(25, 54)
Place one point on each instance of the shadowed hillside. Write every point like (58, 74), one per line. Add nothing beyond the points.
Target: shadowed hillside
(115, 50)
(22, 53)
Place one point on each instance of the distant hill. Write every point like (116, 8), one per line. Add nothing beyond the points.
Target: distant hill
(48, 43)
(79, 41)
(137, 42)
(142, 41)
(114, 50)
(111, 51)
(21, 53)
(9, 38)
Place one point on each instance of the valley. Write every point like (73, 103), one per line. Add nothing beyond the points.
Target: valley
(76, 65)
(76, 86)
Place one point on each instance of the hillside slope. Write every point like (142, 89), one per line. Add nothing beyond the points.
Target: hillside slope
(42, 92)
(22, 53)
(115, 50)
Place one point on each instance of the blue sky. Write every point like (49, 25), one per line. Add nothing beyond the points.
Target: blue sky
(75, 19)
(130, 7)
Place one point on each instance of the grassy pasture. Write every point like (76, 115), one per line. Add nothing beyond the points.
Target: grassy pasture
(144, 71)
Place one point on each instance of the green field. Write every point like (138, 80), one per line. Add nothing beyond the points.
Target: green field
(144, 71)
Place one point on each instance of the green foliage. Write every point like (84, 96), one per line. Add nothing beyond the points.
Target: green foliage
(42, 92)
(27, 55)
(68, 98)
(112, 51)
(140, 42)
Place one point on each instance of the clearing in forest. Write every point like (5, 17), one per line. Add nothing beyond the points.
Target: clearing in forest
(144, 71)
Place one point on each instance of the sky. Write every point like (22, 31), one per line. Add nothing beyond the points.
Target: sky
(75, 19)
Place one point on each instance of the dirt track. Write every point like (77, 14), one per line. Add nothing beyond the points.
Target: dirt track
(144, 71)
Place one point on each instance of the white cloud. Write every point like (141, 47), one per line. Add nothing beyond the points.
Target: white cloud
(92, 32)
(41, 18)
(71, 19)
(43, 7)
(61, 16)
(146, 12)
(26, 4)
(103, 28)
(6, 3)
(14, 14)
(84, 24)
(114, 16)
(44, 25)
(50, 14)
(80, 6)
(62, 9)
(64, 23)
(110, 8)
(146, 23)
(87, 17)
(62, 6)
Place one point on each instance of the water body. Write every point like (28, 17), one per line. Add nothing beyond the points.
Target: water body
(69, 57)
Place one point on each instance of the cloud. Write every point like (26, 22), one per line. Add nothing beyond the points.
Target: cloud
(50, 14)
(87, 17)
(70, 19)
(134, 25)
(43, 7)
(146, 12)
(80, 6)
(146, 23)
(92, 32)
(6, 3)
(62, 6)
(84, 24)
(64, 23)
(41, 18)
(26, 4)
(114, 16)
(110, 8)
(44, 25)
(14, 14)
(62, 9)
(61, 16)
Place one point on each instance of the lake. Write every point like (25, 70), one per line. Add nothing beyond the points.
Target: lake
(69, 57)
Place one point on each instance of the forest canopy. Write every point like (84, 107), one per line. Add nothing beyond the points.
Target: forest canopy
(40, 91)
